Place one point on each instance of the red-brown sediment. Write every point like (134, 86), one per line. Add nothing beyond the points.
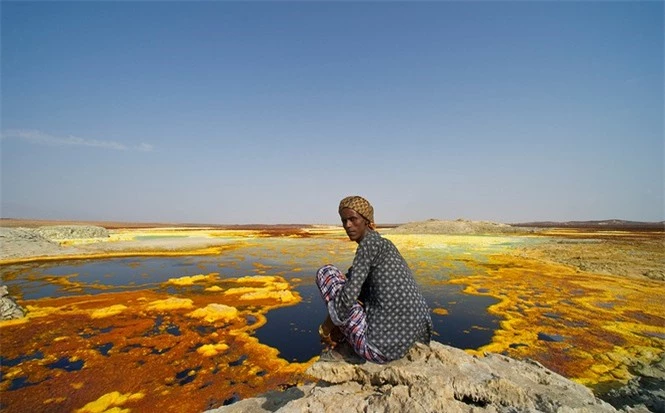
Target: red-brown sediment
(151, 349)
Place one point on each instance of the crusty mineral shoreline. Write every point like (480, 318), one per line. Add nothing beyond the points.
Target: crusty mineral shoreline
(52, 242)
(29, 240)
(625, 253)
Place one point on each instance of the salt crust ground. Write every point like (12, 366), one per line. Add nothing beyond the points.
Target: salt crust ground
(21, 244)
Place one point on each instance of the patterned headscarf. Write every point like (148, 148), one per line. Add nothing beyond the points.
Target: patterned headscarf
(361, 206)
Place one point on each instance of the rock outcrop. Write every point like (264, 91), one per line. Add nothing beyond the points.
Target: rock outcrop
(647, 388)
(22, 242)
(435, 378)
(9, 308)
(67, 232)
(44, 241)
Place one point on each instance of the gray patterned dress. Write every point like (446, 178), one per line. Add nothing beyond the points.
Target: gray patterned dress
(397, 314)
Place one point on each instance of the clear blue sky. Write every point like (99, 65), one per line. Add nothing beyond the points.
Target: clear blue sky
(271, 112)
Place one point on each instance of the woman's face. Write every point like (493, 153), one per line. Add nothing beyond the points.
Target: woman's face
(354, 224)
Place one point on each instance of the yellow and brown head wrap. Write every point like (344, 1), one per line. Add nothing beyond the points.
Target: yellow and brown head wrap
(361, 206)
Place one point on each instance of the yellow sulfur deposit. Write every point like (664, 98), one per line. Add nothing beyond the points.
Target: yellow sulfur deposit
(175, 357)
(209, 350)
(37, 311)
(110, 402)
(215, 312)
(585, 326)
(190, 280)
(54, 400)
(108, 311)
(271, 288)
(241, 290)
(261, 279)
(265, 293)
(171, 303)
(214, 288)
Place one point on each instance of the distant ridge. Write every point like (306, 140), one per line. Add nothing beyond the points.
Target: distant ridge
(609, 224)
(458, 226)
(34, 223)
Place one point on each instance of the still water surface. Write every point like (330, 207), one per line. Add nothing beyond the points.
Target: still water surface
(292, 330)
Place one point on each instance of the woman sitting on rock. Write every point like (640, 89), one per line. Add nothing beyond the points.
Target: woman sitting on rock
(376, 311)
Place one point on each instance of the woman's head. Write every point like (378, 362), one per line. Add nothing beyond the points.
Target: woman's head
(357, 215)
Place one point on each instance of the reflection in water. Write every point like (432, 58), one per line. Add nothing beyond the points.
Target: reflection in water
(293, 330)
(66, 364)
(37, 355)
(467, 324)
(105, 348)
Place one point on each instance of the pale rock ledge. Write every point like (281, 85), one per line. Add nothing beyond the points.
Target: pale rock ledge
(435, 378)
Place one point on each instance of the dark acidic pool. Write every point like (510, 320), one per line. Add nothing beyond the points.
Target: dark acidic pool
(292, 330)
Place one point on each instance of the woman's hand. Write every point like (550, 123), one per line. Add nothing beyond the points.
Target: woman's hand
(330, 334)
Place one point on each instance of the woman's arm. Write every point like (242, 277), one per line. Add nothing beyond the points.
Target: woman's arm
(348, 295)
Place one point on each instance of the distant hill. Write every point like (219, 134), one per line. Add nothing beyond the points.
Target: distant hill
(459, 226)
(35, 223)
(608, 224)
(462, 226)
